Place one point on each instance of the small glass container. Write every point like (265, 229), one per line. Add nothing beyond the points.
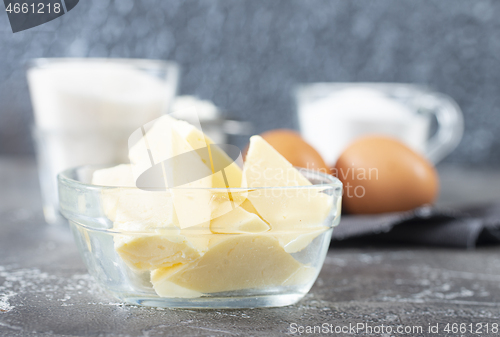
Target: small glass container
(332, 115)
(244, 270)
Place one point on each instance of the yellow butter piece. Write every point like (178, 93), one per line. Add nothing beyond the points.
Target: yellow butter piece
(117, 176)
(162, 142)
(221, 201)
(147, 252)
(165, 288)
(247, 206)
(191, 200)
(159, 141)
(226, 200)
(151, 209)
(154, 240)
(238, 221)
(142, 249)
(244, 261)
(188, 206)
(168, 138)
(193, 195)
(299, 239)
(303, 275)
(198, 140)
(144, 213)
(296, 215)
(109, 201)
(198, 236)
(154, 212)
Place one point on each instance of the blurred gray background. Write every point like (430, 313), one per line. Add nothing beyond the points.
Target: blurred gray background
(246, 56)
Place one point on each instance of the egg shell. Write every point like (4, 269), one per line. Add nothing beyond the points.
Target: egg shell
(295, 149)
(381, 174)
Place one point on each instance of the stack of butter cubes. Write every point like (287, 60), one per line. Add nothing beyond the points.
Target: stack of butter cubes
(231, 229)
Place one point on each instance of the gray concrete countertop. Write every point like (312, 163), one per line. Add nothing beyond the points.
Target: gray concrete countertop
(46, 291)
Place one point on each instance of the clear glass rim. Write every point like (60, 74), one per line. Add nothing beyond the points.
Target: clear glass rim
(304, 90)
(153, 231)
(328, 180)
(386, 85)
(65, 179)
(228, 126)
(146, 63)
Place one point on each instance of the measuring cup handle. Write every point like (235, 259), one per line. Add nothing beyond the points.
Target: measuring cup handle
(450, 126)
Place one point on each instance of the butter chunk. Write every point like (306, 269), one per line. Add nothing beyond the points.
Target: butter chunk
(147, 252)
(238, 221)
(226, 200)
(198, 236)
(296, 215)
(117, 176)
(198, 140)
(154, 240)
(165, 288)
(159, 140)
(244, 261)
(303, 275)
(149, 216)
(299, 239)
(147, 213)
(162, 142)
(188, 173)
(150, 208)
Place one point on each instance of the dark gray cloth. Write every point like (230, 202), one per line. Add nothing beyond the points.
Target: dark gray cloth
(464, 228)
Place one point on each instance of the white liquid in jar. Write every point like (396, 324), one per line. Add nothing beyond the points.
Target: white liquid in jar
(85, 112)
(330, 124)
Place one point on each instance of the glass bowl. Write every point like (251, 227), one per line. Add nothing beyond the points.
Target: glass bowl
(160, 265)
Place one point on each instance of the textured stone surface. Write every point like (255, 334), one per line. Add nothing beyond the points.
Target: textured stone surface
(247, 55)
(45, 290)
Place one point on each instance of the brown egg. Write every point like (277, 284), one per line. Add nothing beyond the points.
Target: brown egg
(381, 174)
(295, 149)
